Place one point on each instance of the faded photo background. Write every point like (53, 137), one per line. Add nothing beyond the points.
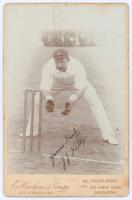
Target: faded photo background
(96, 36)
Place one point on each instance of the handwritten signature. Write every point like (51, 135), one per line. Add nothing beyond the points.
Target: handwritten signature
(78, 141)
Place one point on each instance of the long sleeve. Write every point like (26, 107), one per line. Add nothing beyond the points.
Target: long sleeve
(80, 77)
(47, 77)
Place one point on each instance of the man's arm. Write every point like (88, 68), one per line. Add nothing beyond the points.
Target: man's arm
(46, 78)
(80, 86)
(80, 82)
(80, 92)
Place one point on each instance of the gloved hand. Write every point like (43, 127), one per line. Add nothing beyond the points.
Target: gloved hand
(49, 103)
(68, 106)
(67, 109)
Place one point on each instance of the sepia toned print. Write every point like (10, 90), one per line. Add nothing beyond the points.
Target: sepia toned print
(66, 100)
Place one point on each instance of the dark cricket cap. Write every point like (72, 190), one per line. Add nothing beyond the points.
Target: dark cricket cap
(60, 54)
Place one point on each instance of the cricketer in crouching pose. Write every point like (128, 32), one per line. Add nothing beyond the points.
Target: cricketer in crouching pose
(63, 72)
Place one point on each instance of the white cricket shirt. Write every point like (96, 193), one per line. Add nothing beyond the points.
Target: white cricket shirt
(74, 75)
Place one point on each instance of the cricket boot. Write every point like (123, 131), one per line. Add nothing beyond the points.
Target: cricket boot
(111, 139)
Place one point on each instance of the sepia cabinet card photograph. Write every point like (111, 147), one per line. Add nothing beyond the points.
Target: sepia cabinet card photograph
(66, 99)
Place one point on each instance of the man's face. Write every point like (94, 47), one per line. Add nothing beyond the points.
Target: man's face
(61, 64)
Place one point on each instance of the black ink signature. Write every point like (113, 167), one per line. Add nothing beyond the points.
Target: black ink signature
(79, 140)
(75, 134)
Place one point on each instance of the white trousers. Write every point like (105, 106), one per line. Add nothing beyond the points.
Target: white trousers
(94, 102)
(98, 110)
